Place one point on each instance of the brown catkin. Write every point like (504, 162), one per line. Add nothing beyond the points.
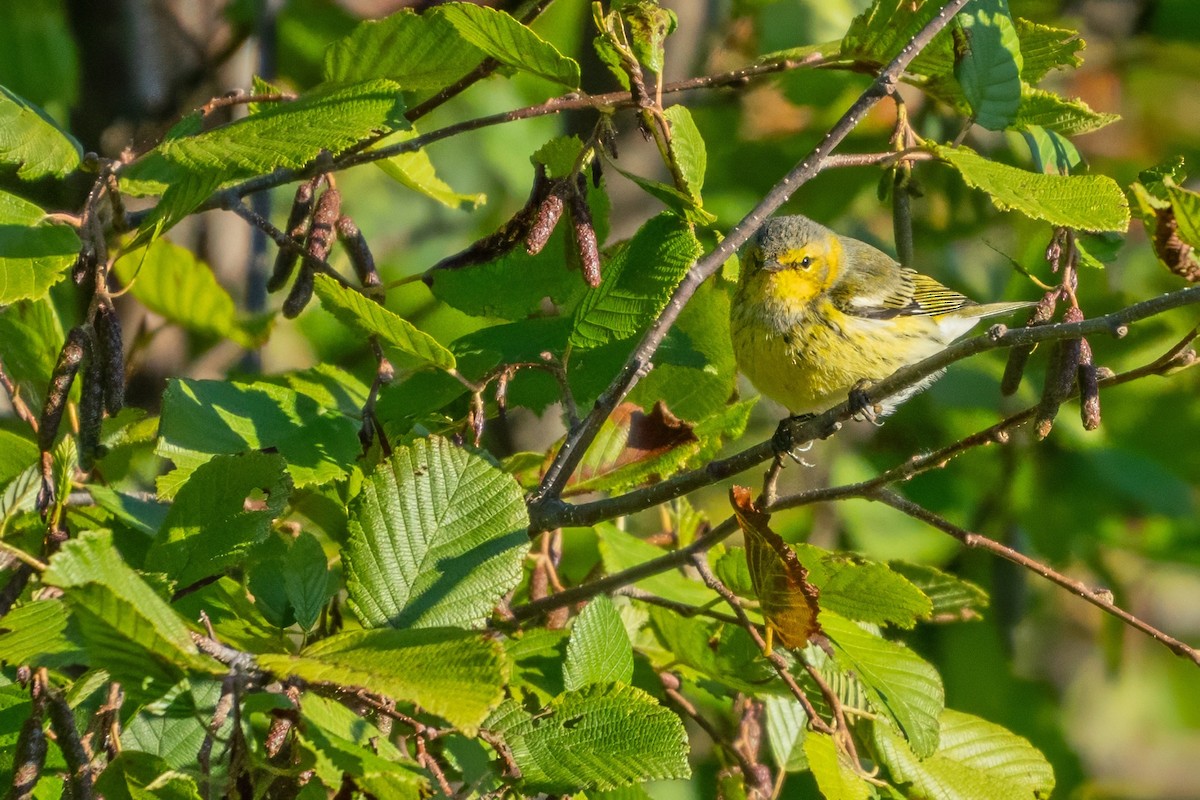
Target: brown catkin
(1018, 357)
(91, 408)
(297, 228)
(301, 293)
(546, 220)
(1089, 389)
(62, 722)
(110, 351)
(360, 255)
(29, 754)
(585, 233)
(69, 359)
(324, 224)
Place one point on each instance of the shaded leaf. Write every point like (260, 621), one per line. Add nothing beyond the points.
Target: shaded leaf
(599, 737)
(41, 633)
(786, 726)
(33, 142)
(458, 675)
(900, 685)
(949, 595)
(1052, 153)
(863, 590)
(713, 651)
(599, 650)
(307, 579)
(437, 536)
(135, 775)
(830, 766)
(988, 62)
(633, 447)
(396, 333)
(1088, 202)
(787, 598)
(34, 254)
(171, 281)
(621, 551)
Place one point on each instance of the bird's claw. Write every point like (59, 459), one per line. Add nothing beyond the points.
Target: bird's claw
(861, 406)
(784, 442)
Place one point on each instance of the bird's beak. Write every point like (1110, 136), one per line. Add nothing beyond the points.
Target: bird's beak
(772, 265)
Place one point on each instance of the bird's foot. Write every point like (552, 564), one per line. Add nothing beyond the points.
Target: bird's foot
(784, 441)
(861, 406)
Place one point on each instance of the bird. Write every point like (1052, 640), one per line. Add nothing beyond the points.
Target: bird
(818, 317)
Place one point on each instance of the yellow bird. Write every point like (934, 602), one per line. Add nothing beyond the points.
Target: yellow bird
(817, 316)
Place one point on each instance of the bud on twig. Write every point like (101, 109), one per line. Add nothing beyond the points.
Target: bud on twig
(585, 233)
(297, 228)
(360, 255)
(110, 352)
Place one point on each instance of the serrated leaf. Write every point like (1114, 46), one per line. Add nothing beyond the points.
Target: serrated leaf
(331, 118)
(1058, 114)
(599, 737)
(1044, 48)
(34, 254)
(455, 674)
(416, 171)
(863, 590)
(1186, 205)
(949, 595)
(988, 62)
(437, 536)
(1087, 202)
(713, 651)
(599, 650)
(638, 281)
(683, 205)
(18, 452)
(125, 626)
(417, 51)
(559, 156)
(209, 528)
(201, 419)
(395, 332)
(33, 142)
(41, 634)
(835, 777)
(787, 599)
(977, 760)
(786, 726)
(306, 579)
(877, 35)
(172, 282)
(134, 775)
(336, 756)
(899, 683)
(634, 447)
(174, 731)
(687, 148)
(505, 39)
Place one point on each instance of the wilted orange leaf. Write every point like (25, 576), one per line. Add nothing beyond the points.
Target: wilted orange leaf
(788, 600)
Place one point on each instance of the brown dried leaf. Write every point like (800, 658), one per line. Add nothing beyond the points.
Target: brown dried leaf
(635, 447)
(1178, 255)
(788, 600)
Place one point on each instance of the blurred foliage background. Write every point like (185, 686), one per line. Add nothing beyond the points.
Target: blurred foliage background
(1118, 716)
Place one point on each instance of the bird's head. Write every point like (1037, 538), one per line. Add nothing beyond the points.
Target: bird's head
(792, 257)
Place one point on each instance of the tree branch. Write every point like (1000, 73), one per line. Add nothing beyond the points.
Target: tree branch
(573, 448)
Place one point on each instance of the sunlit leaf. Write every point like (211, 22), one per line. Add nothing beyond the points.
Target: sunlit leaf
(634, 447)
(832, 769)
(32, 142)
(599, 650)
(988, 62)
(416, 171)
(687, 147)
(505, 39)
(34, 253)
(1067, 117)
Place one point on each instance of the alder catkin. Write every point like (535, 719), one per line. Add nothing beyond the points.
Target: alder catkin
(29, 754)
(546, 220)
(360, 255)
(1018, 357)
(585, 233)
(297, 228)
(69, 359)
(1089, 389)
(301, 293)
(91, 407)
(110, 352)
(323, 230)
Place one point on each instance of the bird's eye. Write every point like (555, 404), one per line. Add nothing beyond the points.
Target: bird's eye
(805, 262)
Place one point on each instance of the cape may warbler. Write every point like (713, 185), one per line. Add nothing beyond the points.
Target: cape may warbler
(817, 315)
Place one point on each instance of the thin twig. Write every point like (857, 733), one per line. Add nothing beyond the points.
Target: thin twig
(671, 689)
(1100, 598)
(14, 398)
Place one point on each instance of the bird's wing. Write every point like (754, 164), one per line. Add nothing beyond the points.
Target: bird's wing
(896, 292)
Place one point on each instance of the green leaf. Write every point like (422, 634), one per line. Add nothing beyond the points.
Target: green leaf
(172, 282)
(786, 726)
(599, 650)
(458, 675)
(1087, 202)
(505, 39)
(714, 651)
(988, 62)
(976, 760)
(687, 148)
(32, 334)
(877, 35)
(33, 142)
(134, 775)
(638, 281)
(949, 595)
(1058, 114)
(417, 51)
(863, 590)
(559, 156)
(201, 419)
(683, 205)
(415, 170)
(34, 253)
(1044, 48)
(368, 317)
(835, 776)
(599, 737)
(283, 135)
(209, 528)
(306, 579)
(1186, 205)
(437, 537)
(621, 551)
(174, 731)
(1052, 153)
(900, 685)
(18, 453)
(125, 626)
(41, 634)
